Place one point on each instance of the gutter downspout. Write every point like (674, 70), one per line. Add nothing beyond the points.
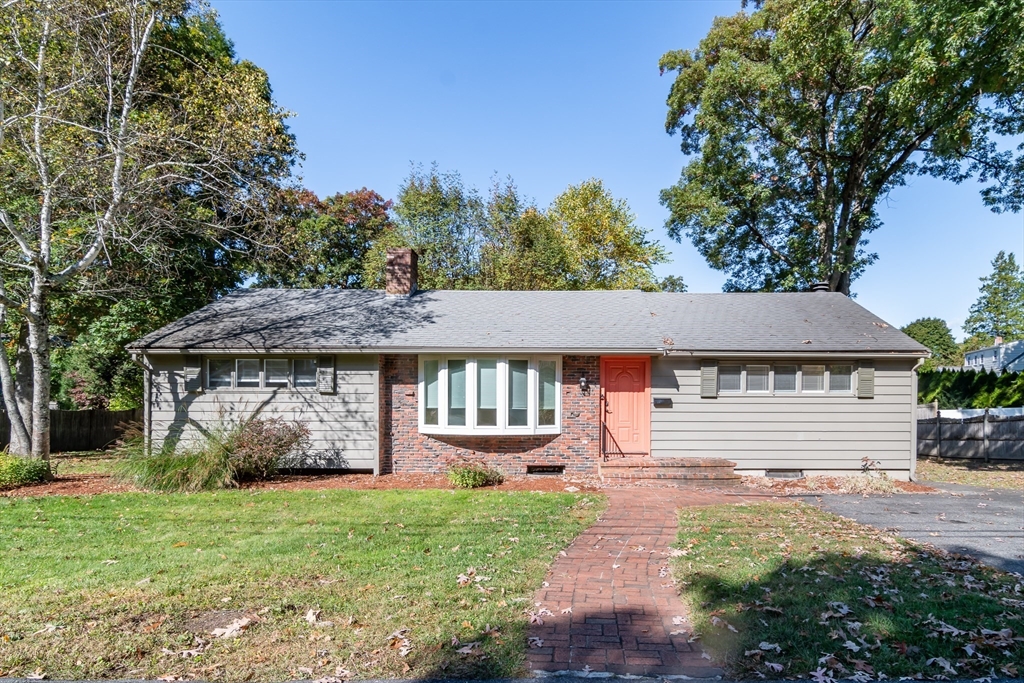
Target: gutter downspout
(147, 390)
(913, 408)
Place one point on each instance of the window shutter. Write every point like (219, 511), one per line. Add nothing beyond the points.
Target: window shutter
(325, 375)
(193, 374)
(866, 380)
(709, 379)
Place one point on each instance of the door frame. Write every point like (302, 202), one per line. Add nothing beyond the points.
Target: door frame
(605, 451)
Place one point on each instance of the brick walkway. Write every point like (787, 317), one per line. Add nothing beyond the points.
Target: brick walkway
(609, 604)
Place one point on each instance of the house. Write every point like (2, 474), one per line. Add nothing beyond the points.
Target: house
(581, 382)
(1000, 357)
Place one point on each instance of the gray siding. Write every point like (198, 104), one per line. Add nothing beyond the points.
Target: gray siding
(808, 432)
(343, 425)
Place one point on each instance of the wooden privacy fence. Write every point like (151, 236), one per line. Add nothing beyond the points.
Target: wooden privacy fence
(80, 430)
(986, 437)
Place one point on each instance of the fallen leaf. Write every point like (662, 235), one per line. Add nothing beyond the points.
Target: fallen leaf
(232, 630)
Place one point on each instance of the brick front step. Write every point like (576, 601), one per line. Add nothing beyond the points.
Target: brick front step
(677, 471)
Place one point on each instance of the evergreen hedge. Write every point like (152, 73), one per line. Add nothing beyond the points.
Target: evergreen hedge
(983, 389)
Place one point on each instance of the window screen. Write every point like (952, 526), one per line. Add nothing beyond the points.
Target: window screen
(757, 378)
(785, 378)
(457, 392)
(729, 378)
(487, 392)
(546, 392)
(813, 378)
(430, 381)
(518, 393)
(247, 372)
(840, 378)
(275, 373)
(305, 372)
(220, 373)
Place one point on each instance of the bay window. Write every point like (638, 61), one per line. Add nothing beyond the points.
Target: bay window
(489, 395)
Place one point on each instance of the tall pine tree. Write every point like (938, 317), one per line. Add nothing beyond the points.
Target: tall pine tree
(999, 310)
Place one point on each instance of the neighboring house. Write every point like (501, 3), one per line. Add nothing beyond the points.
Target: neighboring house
(398, 381)
(1002, 357)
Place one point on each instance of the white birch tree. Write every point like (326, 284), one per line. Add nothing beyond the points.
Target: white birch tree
(108, 128)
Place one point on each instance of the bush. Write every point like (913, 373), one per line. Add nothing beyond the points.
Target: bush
(467, 474)
(15, 471)
(227, 457)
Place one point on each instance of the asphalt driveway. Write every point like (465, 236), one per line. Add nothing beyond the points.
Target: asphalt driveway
(985, 523)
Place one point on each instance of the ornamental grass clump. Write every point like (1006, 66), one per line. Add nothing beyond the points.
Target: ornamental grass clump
(227, 456)
(467, 474)
(15, 471)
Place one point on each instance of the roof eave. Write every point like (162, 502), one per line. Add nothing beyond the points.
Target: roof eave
(872, 353)
(644, 351)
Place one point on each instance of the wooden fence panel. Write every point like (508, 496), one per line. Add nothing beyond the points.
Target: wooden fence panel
(975, 438)
(80, 430)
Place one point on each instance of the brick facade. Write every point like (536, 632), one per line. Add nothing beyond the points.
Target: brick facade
(404, 449)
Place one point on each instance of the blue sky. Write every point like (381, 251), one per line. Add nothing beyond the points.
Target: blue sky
(553, 93)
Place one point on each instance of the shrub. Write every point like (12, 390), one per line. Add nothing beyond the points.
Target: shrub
(225, 458)
(15, 471)
(467, 474)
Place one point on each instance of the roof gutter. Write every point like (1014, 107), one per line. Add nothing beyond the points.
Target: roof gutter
(312, 350)
(546, 350)
(797, 354)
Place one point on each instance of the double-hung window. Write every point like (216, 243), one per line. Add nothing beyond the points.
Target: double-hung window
(490, 394)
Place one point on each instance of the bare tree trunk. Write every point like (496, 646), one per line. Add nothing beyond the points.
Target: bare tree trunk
(23, 393)
(39, 348)
(19, 434)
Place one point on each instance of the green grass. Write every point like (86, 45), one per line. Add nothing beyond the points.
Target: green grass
(780, 574)
(105, 586)
(84, 462)
(990, 475)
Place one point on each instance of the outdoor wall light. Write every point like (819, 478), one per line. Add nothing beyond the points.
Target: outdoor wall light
(584, 387)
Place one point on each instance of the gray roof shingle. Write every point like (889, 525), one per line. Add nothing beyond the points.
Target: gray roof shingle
(261, 320)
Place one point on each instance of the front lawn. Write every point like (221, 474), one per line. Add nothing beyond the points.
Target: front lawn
(998, 475)
(784, 590)
(333, 583)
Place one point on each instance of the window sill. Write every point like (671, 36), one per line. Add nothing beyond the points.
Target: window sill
(488, 431)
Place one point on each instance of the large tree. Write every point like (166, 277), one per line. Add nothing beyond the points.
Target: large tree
(802, 114)
(131, 138)
(321, 242)
(999, 310)
(586, 239)
(935, 334)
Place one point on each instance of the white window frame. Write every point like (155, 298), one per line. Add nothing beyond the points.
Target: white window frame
(824, 379)
(768, 379)
(828, 379)
(743, 377)
(288, 375)
(502, 404)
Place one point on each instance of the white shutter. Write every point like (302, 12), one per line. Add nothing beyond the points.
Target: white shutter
(325, 375)
(709, 379)
(866, 380)
(193, 374)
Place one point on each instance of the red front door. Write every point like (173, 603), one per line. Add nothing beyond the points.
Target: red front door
(626, 387)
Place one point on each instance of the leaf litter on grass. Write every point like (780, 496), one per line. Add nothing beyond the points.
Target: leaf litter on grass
(832, 599)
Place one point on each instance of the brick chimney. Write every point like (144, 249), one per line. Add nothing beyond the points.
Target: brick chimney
(401, 272)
